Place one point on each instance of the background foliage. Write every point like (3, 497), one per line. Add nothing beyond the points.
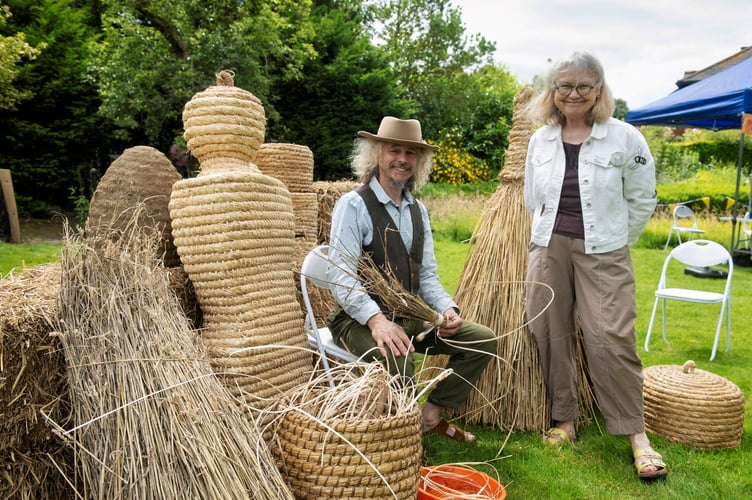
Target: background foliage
(84, 80)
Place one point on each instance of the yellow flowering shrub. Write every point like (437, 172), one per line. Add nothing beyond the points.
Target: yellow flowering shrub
(454, 165)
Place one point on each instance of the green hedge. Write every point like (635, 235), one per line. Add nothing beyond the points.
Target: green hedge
(718, 185)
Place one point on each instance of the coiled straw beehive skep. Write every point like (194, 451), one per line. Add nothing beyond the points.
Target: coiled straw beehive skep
(233, 227)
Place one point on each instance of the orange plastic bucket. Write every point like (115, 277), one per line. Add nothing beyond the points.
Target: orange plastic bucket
(443, 482)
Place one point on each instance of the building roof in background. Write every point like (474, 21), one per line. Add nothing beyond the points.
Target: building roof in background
(691, 77)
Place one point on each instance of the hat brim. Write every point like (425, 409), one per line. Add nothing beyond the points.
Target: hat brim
(394, 140)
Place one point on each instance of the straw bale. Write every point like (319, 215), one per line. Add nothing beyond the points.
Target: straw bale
(290, 163)
(141, 174)
(306, 210)
(328, 194)
(32, 382)
(151, 419)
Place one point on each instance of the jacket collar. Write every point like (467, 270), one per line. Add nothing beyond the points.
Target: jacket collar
(553, 132)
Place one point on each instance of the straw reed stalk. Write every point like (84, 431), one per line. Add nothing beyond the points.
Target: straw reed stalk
(32, 380)
(150, 417)
(511, 392)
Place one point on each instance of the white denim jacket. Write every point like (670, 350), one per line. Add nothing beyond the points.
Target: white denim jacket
(617, 184)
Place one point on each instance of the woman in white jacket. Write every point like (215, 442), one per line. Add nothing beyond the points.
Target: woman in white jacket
(590, 188)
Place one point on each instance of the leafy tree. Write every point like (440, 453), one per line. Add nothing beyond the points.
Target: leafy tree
(156, 54)
(13, 50)
(448, 76)
(620, 112)
(346, 88)
(53, 141)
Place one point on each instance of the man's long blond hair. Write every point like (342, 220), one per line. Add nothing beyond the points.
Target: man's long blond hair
(365, 163)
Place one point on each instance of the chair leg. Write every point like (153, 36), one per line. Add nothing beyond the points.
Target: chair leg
(650, 326)
(663, 316)
(668, 240)
(728, 327)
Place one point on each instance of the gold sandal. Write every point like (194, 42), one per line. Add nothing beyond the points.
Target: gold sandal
(647, 457)
(555, 436)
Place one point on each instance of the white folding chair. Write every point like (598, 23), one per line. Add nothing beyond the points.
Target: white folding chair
(685, 222)
(313, 271)
(699, 253)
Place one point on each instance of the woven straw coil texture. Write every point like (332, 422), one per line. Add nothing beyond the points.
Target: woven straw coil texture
(235, 235)
(141, 174)
(693, 407)
(290, 163)
(317, 462)
(224, 126)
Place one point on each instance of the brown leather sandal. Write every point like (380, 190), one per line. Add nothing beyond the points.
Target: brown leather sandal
(451, 431)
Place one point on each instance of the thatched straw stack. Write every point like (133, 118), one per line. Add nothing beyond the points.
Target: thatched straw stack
(151, 419)
(511, 392)
(233, 227)
(327, 194)
(34, 462)
(141, 174)
(360, 439)
(293, 165)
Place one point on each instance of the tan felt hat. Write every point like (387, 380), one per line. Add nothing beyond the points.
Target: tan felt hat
(396, 131)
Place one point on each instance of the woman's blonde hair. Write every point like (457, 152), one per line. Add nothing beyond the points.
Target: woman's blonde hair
(365, 163)
(542, 108)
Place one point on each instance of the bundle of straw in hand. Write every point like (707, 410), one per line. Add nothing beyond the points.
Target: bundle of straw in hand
(399, 301)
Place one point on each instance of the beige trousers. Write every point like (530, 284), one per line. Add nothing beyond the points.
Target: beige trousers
(600, 288)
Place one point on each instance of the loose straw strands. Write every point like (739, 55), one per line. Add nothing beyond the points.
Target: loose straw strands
(399, 302)
(151, 420)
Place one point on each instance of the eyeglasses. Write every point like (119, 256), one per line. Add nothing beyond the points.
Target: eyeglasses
(583, 89)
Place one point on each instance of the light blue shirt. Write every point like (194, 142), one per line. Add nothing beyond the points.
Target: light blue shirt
(352, 228)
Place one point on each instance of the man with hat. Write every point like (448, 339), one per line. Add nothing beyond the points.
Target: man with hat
(381, 217)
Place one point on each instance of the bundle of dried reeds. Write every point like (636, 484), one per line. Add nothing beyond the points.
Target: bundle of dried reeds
(33, 461)
(151, 419)
(399, 302)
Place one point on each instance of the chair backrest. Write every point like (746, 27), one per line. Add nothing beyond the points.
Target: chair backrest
(700, 253)
(684, 212)
(314, 267)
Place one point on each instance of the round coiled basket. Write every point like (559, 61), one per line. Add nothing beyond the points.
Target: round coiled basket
(351, 458)
(693, 407)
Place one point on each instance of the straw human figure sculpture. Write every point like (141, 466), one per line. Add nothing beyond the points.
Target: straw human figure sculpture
(234, 230)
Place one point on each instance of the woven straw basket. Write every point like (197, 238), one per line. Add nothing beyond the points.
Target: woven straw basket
(693, 407)
(328, 461)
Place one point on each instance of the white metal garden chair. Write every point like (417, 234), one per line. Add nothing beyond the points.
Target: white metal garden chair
(699, 253)
(685, 222)
(313, 271)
